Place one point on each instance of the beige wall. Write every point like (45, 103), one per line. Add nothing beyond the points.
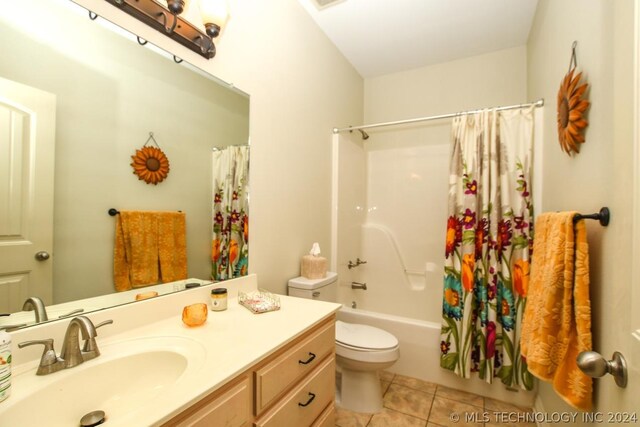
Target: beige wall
(493, 79)
(601, 175)
(301, 87)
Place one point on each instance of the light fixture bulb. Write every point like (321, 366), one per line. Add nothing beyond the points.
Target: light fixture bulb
(214, 15)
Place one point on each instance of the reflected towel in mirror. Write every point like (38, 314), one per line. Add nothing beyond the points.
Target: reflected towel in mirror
(150, 248)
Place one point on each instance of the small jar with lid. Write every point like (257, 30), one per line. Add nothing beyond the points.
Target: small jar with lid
(219, 299)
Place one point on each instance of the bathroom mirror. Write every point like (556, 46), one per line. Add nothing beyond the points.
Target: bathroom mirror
(109, 93)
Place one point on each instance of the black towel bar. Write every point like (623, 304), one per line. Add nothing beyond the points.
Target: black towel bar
(114, 212)
(603, 216)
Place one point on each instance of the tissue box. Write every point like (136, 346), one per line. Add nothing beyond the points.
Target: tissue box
(313, 267)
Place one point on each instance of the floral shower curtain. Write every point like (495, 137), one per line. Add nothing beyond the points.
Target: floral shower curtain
(488, 246)
(230, 244)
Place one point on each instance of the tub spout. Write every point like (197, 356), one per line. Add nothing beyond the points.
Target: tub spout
(358, 285)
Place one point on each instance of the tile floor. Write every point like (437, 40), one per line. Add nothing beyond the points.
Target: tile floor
(411, 402)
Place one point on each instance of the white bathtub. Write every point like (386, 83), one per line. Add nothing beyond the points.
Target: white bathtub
(420, 355)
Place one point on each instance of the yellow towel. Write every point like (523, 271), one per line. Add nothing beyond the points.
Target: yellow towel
(172, 246)
(557, 320)
(150, 248)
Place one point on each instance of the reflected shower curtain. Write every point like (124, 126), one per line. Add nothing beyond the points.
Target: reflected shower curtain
(230, 244)
(488, 246)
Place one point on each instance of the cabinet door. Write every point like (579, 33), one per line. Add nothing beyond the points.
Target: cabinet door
(327, 418)
(304, 404)
(276, 377)
(228, 408)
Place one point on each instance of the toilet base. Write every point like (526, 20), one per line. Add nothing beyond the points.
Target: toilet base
(360, 391)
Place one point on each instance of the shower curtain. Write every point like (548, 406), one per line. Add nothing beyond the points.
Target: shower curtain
(488, 245)
(230, 243)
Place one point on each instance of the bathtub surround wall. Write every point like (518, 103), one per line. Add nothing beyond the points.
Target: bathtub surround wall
(601, 174)
(404, 172)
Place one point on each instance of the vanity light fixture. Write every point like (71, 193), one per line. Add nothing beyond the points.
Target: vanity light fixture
(168, 21)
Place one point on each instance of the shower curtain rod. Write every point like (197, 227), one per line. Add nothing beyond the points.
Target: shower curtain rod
(233, 145)
(538, 103)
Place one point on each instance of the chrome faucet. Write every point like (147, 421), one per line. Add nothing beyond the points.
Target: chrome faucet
(355, 264)
(71, 354)
(35, 303)
(358, 285)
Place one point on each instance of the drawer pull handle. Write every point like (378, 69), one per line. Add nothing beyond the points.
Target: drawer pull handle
(309, 360)
(311, 397)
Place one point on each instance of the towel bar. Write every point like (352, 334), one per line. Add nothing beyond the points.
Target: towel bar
(114, 212)
(603, 216)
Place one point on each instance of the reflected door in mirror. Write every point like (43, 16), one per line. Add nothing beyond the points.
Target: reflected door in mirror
(27, 136)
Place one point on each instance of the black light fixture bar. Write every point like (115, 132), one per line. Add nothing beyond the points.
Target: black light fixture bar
(158, 17)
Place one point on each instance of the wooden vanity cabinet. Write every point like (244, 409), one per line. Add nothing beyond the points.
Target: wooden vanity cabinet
(295, 386)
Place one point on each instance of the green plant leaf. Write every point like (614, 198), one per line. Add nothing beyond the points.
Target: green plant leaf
(449, 361)
(505, 373)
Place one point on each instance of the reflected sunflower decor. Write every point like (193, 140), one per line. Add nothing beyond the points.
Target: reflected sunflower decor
(571, 107)
(150, 163)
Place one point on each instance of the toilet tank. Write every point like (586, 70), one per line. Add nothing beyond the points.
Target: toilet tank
(325, 289)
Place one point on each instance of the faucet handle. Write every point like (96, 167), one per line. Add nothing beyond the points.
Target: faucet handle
(49, 362)
(106, 322)
(90, 345)
(71, 313)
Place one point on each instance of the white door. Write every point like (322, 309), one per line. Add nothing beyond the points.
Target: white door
(27, 136)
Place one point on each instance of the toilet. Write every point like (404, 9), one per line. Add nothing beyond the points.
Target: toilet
(361, 350)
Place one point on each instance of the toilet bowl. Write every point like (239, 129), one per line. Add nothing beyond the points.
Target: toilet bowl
(361, 350)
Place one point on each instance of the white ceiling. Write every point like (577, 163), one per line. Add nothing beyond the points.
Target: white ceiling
(386, 36)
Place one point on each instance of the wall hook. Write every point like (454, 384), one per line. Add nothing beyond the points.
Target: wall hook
(573, 62)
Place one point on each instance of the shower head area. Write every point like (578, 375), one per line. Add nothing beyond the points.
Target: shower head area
(365, 135)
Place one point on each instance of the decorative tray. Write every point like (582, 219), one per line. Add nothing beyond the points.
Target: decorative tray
(259, 301)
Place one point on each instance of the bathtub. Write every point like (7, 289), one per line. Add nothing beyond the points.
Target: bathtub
(420, 355)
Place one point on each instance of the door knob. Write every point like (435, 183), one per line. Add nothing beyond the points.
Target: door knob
(594, 365)
(42, 256)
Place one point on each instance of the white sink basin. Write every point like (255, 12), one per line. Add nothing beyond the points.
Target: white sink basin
(126, 377)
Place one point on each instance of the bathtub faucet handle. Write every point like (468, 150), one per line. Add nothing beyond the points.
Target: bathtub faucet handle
(355, 264)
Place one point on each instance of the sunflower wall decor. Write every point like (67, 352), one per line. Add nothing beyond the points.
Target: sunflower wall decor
(571, 107)
(150, 163)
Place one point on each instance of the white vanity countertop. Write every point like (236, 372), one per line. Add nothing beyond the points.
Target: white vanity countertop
(233, 340)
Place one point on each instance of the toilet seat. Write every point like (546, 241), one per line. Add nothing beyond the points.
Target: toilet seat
(364, 337)
(363, 343)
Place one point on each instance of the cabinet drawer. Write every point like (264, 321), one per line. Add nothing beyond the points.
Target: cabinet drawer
(281, 373)
(304, 404)
(327, 418)
(227, 408)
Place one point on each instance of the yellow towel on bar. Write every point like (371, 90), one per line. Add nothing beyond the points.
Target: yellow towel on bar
(557, 320)
(150, 248)
(172, 246)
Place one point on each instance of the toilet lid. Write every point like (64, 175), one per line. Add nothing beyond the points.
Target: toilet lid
(364, 336)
